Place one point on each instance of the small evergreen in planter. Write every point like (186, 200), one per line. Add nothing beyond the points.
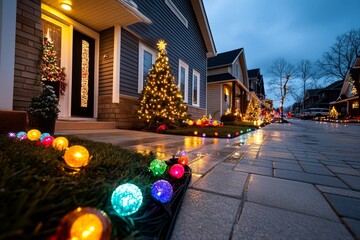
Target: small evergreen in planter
(43, 110)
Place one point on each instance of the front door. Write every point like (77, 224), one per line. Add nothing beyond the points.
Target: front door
(82, 94)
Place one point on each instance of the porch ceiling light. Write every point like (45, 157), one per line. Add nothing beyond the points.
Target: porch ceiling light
(66, 6)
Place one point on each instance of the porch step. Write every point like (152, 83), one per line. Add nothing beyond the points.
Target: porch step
(63, 125)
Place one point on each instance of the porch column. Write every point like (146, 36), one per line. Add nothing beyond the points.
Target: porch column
(233, 97)
(7, 52)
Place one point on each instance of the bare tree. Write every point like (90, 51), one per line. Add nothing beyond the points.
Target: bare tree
(305, 72)
(281, 71)
(341, 56)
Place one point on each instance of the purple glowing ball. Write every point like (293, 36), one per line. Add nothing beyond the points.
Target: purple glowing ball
(162, 191)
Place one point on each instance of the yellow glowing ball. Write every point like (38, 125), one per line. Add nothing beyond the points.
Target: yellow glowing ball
(198, 122)
(85, 223)
(215, 123)
(190, 122)
(33, 134)
(216, 134)
(195, 133)
(60, 143)
(77, 156)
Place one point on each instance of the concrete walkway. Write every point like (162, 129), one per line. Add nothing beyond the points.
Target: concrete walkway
(285, 181)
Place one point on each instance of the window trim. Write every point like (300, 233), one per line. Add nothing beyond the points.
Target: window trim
(197, 74)
(142, 48)
(186, 66)
(177, 12)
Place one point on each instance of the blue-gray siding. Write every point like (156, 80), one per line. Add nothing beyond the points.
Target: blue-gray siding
(129, 64)
(183, 43)
(106, 64)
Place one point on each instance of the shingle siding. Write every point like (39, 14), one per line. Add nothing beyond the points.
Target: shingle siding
(183, 43)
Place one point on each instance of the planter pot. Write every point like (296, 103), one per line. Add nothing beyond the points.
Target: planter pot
(42, 124)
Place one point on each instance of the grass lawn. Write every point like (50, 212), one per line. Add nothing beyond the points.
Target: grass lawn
(211, 131)
(36, 190)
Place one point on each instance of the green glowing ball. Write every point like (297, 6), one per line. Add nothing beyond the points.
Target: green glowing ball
(158, 167)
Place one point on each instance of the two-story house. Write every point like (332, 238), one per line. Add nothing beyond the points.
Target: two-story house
(347, 103)
(228, 83)
(321, 98)
(107, 48)
(256, 83)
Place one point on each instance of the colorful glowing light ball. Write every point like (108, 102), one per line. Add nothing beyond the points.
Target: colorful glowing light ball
(195, 133)
(126, 199)
(43, 135)
(21, 135)
(47, 141)
(33, 135)
(158, 167)
(181, 153)
(229, 135)
(11, 135)
(60, 143)
(162, 191)
(177, 171)
(183, 160)
(77, 156)
(84, 223)
(216, 134)
(204, 135)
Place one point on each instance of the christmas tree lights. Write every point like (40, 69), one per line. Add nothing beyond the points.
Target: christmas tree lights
(161, 99)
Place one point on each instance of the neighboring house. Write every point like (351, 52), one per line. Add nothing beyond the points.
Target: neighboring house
(348, 100)
(228, 83)
(256, 83)
(321, 98)
(328, 94)
(311, 97)
(107, 47)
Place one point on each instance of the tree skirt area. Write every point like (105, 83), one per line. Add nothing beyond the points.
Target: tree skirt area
(37, 189)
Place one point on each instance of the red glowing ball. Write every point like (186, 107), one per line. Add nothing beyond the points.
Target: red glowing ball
(47, 141)
(177, 171)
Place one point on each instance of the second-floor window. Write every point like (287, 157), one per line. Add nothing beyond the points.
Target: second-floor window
(196, 89)
(147, 58)
(183, 79)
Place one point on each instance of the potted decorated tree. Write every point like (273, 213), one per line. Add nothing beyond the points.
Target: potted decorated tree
(43, 110)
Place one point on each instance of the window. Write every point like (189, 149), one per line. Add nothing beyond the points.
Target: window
(183, 79)
(147, 58)
(177, 12)
(196, 89)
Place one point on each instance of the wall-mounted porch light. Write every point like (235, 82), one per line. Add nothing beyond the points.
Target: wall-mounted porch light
(66, 5)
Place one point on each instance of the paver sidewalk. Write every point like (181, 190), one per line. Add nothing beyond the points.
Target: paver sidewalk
(286, 181)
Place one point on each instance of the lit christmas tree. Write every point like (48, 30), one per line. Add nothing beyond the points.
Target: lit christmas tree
(333, 113)
(49, 69)
(253, 112)
(161, 101)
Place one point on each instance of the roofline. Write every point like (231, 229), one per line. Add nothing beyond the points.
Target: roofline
(203, 22)
(238, 57)
(135, 12)
(231, 80)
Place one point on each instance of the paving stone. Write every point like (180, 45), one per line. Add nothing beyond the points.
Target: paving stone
(352, 181)
(354, 226)
(253, 169)
(345, 206)
(258, 222)
(232, 183)
(290, 195)
(344, 170)
(317, 169)
(257, 162)
(339, 191)
(288, 166)
(202, 166)
(206, 216)
(309, 178)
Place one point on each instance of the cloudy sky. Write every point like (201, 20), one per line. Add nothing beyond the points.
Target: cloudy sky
(268, 29)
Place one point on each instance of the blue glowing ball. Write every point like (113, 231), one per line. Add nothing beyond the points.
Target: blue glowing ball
(204, 135)
(11, 135)
(162, 191)
(126, 199)
(181, 153)
(43, 135)
(20, 135)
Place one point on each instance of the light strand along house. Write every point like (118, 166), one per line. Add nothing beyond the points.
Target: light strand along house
(228, 84)
(115, 42)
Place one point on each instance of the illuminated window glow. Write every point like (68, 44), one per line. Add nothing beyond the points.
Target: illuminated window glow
(84, 73)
